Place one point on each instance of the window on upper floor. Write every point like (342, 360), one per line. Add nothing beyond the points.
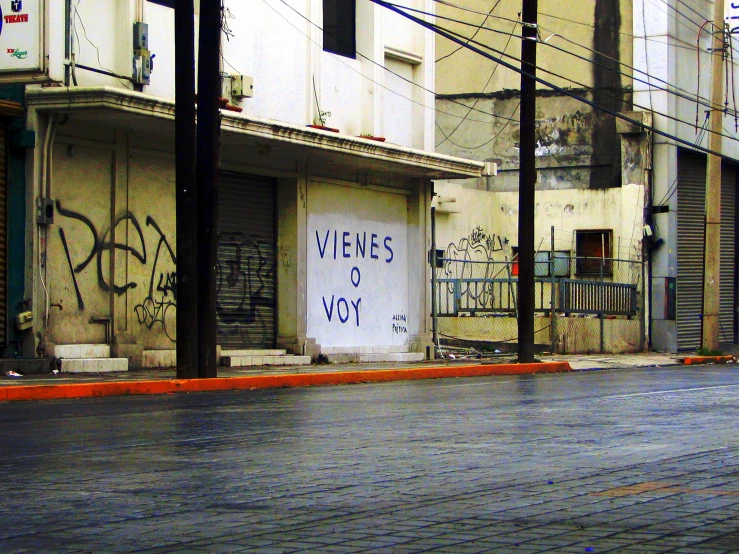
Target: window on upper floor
(167, 3)
(340, 27)
(593, 252)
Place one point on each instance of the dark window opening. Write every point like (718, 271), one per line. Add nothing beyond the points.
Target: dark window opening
(167, 3)
(593, 252)
(339, 27)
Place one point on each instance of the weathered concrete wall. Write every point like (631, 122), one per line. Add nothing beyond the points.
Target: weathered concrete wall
(573, 335)
(569, 150)
(120, 203)
(358, 267)
(495, 215)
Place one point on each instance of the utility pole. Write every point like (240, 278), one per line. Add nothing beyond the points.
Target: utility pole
(527, 183)
(712, 252)
(186, 211)
(209, 130)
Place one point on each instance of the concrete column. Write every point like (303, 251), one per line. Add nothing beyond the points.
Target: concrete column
(292, 266)
(419, 272)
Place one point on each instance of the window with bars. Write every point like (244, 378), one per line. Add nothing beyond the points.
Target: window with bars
(593, 252)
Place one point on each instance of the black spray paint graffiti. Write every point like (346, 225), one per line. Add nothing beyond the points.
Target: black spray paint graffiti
(245, 289)
(161, 308)
(100, 244)
(244, 278)
(473, 257)
(155, 308)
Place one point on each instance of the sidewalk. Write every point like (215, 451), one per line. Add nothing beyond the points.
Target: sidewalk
(47, 387)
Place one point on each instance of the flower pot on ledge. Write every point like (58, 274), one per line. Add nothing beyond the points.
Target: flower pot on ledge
(370, 137)
(324, 128)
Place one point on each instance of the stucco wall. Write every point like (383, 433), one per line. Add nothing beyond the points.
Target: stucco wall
(496, 214)
(139, 205)
(357, 267)
(279, 45)
(466, 71)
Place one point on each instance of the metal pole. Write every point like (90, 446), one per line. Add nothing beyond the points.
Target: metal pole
(712, 248)
(434, 284)
(601, 295)
(186, 210)
(527, 183)
(552, 301)
(209, 126)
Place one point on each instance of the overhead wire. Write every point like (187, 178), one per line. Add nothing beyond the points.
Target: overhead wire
(446, 137)
(568, 92)
(682, 93)
(308, 20)
(473, 36)
(618, 31)
(546, 83)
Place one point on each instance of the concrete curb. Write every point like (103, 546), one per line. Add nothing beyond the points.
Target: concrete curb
(695, 360)
(168, 386)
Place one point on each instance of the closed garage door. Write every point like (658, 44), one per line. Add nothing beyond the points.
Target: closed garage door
(691, 201)
(690, 242)
(245, 280)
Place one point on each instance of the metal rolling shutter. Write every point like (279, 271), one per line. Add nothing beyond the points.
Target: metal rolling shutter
(3, 235)
(691, 201)
(727, 329)
(245, 277)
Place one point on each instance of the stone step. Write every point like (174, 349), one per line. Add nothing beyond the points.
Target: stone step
(93, 365)
(399, 357)
(85, 351)
(157, 359)
(239, 353)
(390, 349)
(248, 361)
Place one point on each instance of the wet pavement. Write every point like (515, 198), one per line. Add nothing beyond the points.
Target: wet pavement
(633, 460)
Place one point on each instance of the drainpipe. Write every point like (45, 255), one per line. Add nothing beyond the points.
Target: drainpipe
(67, 41)
(46, 191)
(434, 311)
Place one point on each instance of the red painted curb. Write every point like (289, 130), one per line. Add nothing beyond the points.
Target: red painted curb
(694, 360)
(167, 386)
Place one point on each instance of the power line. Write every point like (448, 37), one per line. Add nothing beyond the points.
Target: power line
(581, 85)
(473, 36)
(386, 69)
(618, 31)
(483, 90)
(544, 82)
(382, 67)
(686, 95)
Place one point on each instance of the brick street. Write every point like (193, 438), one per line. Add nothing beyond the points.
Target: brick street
(637, 460)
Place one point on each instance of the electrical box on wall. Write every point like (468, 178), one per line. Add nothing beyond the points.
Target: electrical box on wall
(44, 211)
(23, 321)
(143, 60)
(242, 86)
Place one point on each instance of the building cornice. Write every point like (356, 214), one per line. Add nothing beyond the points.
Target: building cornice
(432, 165)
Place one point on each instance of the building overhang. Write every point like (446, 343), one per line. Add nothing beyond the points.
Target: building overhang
(291, 145)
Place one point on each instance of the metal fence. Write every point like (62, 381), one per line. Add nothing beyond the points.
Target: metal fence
(581, 304)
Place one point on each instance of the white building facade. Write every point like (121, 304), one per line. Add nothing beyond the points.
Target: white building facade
(323, 233)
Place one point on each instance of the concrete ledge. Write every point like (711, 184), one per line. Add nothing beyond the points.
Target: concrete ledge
(250, 361)
(696, 360)
(159, 358)
(82, 351)
(167, 386)
(234, 353)
(94, 365)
